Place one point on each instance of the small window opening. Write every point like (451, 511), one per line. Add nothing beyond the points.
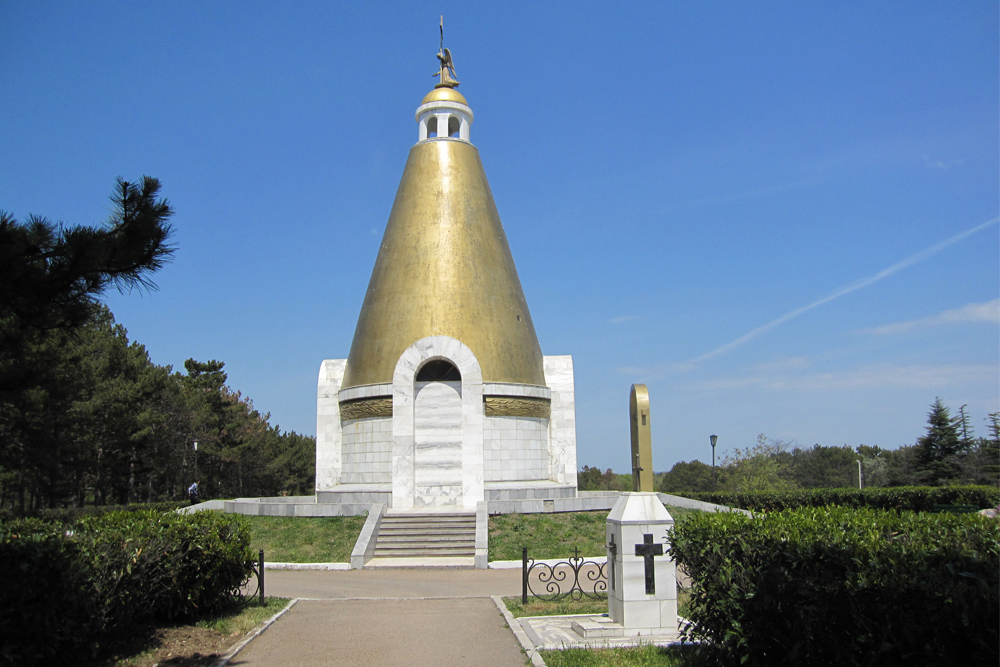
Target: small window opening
(439, 370)
(453, 126)
(643, 418)
(432, 127)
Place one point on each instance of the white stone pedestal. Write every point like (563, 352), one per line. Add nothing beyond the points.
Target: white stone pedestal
(642, 590)
(640, 610)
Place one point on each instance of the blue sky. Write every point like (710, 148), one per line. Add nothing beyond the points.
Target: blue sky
(782, 216)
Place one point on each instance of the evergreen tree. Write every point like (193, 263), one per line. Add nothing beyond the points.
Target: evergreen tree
(50, 274)
(963, 428)
(989, 451)
(939, 447)
(687, 476)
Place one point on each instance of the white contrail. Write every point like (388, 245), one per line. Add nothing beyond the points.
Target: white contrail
(865, 282)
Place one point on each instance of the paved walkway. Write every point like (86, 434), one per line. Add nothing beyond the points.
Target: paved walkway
(414, 617)
(391, 583)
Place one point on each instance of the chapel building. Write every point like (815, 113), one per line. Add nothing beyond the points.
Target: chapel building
(445, 398)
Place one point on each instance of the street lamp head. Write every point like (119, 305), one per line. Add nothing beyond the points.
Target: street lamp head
(714, 439)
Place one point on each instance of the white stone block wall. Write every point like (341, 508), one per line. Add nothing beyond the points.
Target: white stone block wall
(328, 429)
(404, 491)
(515, 449)
(562, 419)
(437, 444)
(366, 456)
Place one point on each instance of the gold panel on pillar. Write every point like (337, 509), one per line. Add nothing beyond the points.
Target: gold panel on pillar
(642, 441)
(445, 268)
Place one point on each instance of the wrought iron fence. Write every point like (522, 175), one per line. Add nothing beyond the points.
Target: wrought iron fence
(246, 592)
(555, 578)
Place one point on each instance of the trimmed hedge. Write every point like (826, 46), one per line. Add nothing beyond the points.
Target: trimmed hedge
(915, 498)
(836, 586)
(73, 514)
(74, 589)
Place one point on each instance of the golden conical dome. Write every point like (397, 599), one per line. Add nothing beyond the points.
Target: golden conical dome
(445, 268)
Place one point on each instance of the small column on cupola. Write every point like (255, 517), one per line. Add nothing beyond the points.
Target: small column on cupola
(444, 113)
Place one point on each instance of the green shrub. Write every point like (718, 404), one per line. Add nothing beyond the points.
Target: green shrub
(916, 498)
(148, 565)
(43, 602)
(108, 574)
(835, 586)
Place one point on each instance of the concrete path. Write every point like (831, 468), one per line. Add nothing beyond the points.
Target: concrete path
(415, 617)
(386, 633)
(391, 583)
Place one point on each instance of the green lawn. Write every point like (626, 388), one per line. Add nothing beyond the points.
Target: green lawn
(305, 539)
(554, 535)
(331, 539)
(564, 607)
(567, 606)
(243, 620)
(644, 656)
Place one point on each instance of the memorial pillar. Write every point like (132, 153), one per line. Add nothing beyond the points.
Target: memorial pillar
(642, 583)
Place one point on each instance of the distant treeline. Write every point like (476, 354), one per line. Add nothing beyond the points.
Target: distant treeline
(87, 418)
(948, 453)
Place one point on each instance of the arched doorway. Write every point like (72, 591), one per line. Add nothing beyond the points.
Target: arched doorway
(437, 435)
(437, 425)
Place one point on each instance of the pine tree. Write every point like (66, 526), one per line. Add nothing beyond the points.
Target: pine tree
(963, 428)
(939, 447)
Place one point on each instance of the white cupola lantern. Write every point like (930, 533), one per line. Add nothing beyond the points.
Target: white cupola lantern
(444, 114)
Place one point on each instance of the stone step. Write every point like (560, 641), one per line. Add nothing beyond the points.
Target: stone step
(393, 535)
(426, 537)
(427, 525)
(445, 521)
(417, 553)
(426, 534)
(433, 515)
(459, 546)
(452, 527)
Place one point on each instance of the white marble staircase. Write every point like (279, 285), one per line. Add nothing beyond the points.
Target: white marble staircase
(431, 534)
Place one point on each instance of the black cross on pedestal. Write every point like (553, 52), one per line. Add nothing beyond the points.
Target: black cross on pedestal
(647, 550)
(613, 548)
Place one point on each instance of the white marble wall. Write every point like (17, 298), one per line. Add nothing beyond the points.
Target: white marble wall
(403, 420)
(437, 443)
(366, 456)
(476, 449)
(562, 420)
(515, 448)
(328, 430)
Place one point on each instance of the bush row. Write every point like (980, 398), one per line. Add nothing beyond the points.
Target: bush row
(74, 588)
(836, 586)
(71, 514)
(915, 498)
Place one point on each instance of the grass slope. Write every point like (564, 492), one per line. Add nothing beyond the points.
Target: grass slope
(305, 539)
(331, 539)
(554, 535)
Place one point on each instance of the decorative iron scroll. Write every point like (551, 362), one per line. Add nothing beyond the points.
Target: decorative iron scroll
(360, 408)
(556, 581)
(516, 406)
(247, 592)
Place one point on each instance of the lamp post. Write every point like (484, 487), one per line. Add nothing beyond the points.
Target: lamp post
(859, 474)
(713, 439)
(196, 461)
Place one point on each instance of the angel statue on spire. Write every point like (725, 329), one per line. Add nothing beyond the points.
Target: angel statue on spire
(447, 71)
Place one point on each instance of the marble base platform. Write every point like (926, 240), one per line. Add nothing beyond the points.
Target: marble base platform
(590, 631)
